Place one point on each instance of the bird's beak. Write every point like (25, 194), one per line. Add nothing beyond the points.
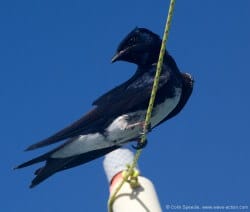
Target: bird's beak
(117, 56)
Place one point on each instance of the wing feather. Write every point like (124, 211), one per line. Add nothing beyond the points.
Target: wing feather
(132, 95)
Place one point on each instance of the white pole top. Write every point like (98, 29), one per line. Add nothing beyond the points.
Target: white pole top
(117, 161)
(139, 199)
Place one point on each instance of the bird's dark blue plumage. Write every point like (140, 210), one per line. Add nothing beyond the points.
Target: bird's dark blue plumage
(118, 115)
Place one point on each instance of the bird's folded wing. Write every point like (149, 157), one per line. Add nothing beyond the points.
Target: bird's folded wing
(134, 96)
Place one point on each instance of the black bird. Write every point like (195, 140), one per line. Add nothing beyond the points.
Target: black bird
(118, 115)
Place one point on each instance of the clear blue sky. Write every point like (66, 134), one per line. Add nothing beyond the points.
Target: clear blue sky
(55, 60)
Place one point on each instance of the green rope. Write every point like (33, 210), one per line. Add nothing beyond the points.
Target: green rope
(150, 106)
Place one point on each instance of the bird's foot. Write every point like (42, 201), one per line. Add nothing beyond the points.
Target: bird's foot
(145, 129)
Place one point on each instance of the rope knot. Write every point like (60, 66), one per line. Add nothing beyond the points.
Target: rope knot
(131, 176)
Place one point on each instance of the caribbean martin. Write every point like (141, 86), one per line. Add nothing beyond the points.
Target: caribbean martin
(118, 116)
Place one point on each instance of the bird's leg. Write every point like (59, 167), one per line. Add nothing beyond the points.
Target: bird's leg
(140, 124)
(132, 126)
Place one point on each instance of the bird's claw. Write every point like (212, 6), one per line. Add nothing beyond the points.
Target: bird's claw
(146, 128)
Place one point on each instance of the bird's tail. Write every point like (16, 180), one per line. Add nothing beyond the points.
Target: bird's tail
(38, 159)
(54, 165)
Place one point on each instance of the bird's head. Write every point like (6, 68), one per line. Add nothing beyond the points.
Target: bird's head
(141, 46)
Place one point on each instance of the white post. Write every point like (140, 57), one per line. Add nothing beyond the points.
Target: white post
(139, 199)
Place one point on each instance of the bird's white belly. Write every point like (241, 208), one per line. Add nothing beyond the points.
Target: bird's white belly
(162, 110)
(82, 144)
(119, 131)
